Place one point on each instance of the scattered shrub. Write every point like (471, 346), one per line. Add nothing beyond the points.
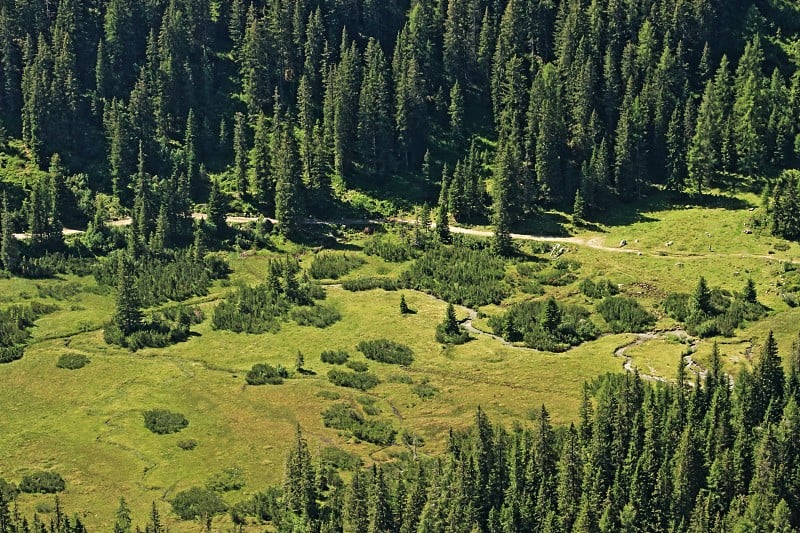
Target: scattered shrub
(353, 380)
(545, 325)
(163, 422)
(264, 374)
(459, 275)
(625, 315)
(425, 391)
(334, 357)
(370, 283)
(187, 444)
(226, 480)
(318, 316)
(357, 366)
(386, 351)
(42, 483)
(340, 459)
(331, 265)
(400, 378)
(8, 491)
(329, 395)
(600, 289)
(345, 418)
(72, 361)
(198, 503)
(388, 250)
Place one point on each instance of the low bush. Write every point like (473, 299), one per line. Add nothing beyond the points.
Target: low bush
(329, 395)
(72, 361)
(545, 325)
(163, 422)
(187, 444)
(198, 503)
(370, 283)
(625, 315)
(264, 374)
(8, 491)
(226, 480)
(602, 288)
(340, 459)
(353, 380)
(42, 483)
(334, 357)
(318, 316)
(425, 391)
(331, 265)
(357, 366)
(345, 418)
(386, 351)
(388, 250)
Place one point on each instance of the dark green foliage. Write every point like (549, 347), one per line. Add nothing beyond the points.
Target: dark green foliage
(318, 316)
(340, 459)
(370, 283)
(357, 366)
(353, 380)
(264, 374)
(459, 275)
(42, 483)
(545, 325)
(625, 315)
(449, 331)
(198, 503)
(785, 206)
(404, 308)
(389, 250)
(386, 351)
(337, 357)
(425, 391)
(226, 480)
(72, 361)
(15, 322)
(187, 444)
(342, 417)
(600, 289)
(332, 265)
(164, 422)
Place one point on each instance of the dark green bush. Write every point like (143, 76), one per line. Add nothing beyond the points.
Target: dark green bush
(357, 366)
(394, 252)
(318, 316)
(386, 351)
(198, 503)
(8, 491)
(602, 288)
(334, 357)
(226, 480)
(459, 275)
(676, 305)
(331, 265)
(340, 459)
(72, 361)
(187, 444)
(264, 374)
(163, 422)
(353, 380)
(345, 418)
(526, 322)
(370, 283)
(42, 483)
(625, 315)
(424, 390)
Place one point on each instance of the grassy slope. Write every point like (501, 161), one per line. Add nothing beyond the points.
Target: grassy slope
(87, 424)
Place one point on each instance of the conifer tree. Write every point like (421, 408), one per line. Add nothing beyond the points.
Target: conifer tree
(374, 112)
(288, 187)
(404, 309)
(456, 113)
(299, 487)
(217, 209)
(701, 157)
(240, 155)
(262, 185)
(551, 316)
(9, 248)
(127, 314)
(442, 215)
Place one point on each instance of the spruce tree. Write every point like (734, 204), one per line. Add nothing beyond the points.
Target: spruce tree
(442, 215)
(240, 155)
(288, 188)
(9, 248)
(551, 315)
(127, 314)
(217, 209)
(375, 137)
(456, 113)
(404, 309)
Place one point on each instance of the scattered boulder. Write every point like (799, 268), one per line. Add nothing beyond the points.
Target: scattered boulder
(623, 243)
(748, 231)
(670, 243)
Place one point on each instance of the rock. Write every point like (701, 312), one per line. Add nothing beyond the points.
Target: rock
(670, 243)
(679, 265)
(623, 243)
(748, 231)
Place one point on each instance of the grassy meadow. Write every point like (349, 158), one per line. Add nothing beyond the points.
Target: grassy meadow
(87, 424)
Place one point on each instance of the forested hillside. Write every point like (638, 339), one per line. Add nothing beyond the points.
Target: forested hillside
(278, 100)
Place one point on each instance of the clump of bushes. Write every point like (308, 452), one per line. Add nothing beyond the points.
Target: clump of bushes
(340, 459)
(330, 265)
(353, 380)
(334, 357)
(386, 351)
(14, 328)
(425, 391)
(449, 331)
(72, 361)
(345, 418)
(198, 502)
(625, 314)
(545, 325)
(370, 283)
(187, 444)
(318, 316)
(42, 483)
(164, 422)
(388, 250)
(226, 480)
(460, 275)
(602, 288)
(264, 374)
(357, 366)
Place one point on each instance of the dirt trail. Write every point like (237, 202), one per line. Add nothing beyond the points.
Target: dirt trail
(642, 338)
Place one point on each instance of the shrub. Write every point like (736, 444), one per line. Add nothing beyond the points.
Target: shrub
(386, 351)
(357, 366)
(11, 353)
(400, 378)
(530, 322)
(334, 357)
(8, 490)
(459, 275)
(329, 395)
(264, 374)
(345, 418)
(226, 480)
(163, 422)
(370, 283)
(72, 361)
(318, 316)
(676, 305)
(388, 250)
(42, 483)
(424, 390)
(596, 290)
(353, 380)
(329, 265)
(197, 503)
(187, 444)
(625, 315)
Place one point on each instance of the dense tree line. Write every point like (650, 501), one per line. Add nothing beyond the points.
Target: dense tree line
(282, 99)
